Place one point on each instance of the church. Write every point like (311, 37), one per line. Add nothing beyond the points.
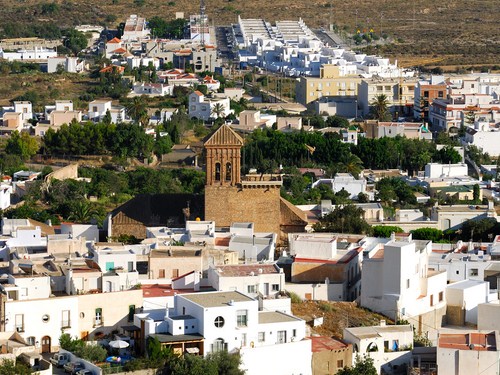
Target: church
(231, 197)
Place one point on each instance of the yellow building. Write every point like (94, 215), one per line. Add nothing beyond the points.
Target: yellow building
(329, 83)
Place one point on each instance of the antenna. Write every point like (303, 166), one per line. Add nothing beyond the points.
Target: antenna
(202, 22)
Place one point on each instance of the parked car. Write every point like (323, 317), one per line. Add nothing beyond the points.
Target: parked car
(59, 359)
(73, 367)
(84, 372)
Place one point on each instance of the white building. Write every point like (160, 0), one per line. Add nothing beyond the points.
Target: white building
(5, 193)
(387, 345)
(345, 181)
(452, 217)
(37, 54)
(152, 89)
(68, 64)
(396, 281)
(24, 108)
(463, 298)
(232, 321)
(135, 29)
(265, 282)
(436, 170)
(485, 136)
(98, 108)
(205, 108)
(474, 352)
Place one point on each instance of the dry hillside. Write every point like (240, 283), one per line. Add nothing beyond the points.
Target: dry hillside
(464, 31)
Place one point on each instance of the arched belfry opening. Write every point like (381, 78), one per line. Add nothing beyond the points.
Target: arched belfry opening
(223, 157)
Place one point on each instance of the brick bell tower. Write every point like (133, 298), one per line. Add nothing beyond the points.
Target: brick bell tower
(223, 158)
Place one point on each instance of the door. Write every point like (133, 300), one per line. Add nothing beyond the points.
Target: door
(46, 344)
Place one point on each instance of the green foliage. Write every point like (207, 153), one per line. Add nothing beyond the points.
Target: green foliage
(477, 155)
(394, 188)
(429, 234)
(447, 155)
(325, 307)
(10, 163)
(363, 366)
(22, 145)
(9, 367)
(476, 193)
(75, 40)
(294, 297)
(379, 108)
(123, 140)
(421, 341)
(480, 230)
(385, 231)
(337, 122)
(346, 219)
(92, 353)
(173, 29)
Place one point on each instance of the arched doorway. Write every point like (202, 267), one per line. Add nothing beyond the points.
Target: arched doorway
(46, 343)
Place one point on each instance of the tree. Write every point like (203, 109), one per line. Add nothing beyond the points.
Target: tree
(106, 120)
(337, 122)
(380, 107)
(136, 109)
(476, 193)
(343, 219)
(385, 231)
(429, 234)
(447, 155)
(9, 367)
(75, 40)
(217, 110)
(82, 212)
(22, 144)
(364, 366)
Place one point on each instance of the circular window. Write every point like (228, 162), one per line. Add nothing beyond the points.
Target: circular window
(219, 322)
(82, 315)
(45, 318)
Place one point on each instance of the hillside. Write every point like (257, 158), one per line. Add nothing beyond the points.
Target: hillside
(463, 31)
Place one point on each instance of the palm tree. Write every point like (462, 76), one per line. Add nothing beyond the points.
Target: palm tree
(136, 108)
(351, 164)
(218, 110)
(379, 107)
(82, 212)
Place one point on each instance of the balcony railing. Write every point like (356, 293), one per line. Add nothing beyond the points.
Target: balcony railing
(65, 324)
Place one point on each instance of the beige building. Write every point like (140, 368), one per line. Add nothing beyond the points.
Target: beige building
(399, 92)
(329, 355)
(101, 313)
(329, 83)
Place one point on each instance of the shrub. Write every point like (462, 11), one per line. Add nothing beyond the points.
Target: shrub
(294, 297)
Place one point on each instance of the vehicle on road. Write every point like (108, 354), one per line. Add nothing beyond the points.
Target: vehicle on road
(73, 367)
(59, 359)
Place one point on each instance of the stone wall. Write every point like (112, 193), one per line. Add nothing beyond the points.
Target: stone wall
(227, 204)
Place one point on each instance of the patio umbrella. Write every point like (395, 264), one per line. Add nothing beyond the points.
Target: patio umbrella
(118, 344)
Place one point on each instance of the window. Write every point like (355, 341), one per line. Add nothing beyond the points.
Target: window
(432, 299)
(241, 318)
(45, 318)
(65, 322)
(251, 288)
(440, 94)
(281, 339)
(228, 172)
(217, 171)
(94, 109)
(31, 340)
(386, 345)
(219, 322)
(219, 345)
(340, 363)
(440, 296)
(473, 272)
(262, 336)
(161, 274)
(98, 316)
(130, 266)
(175, 273)
(276, 287)
(20, 322)
(457, 272)
(294, 333)
(243, 339)
(407, 283)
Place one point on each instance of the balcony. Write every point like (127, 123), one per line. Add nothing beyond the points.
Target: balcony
(65, 324)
